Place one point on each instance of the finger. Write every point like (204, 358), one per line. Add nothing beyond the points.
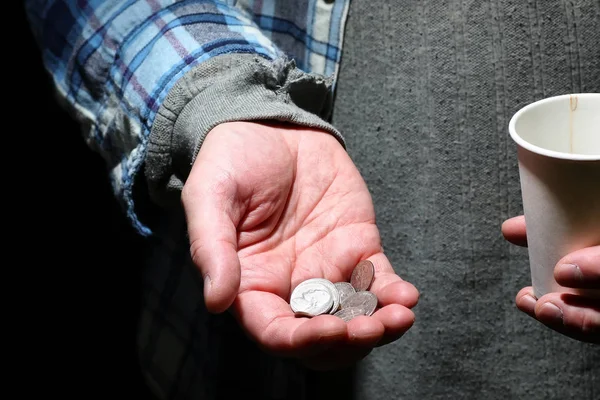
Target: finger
(572, 315)
(526, 301)
(269, 320)
(208, 203)
(389, 287)
(396, 319)
(363, 335)
(364, 331)
(580, 269)
(514, 231)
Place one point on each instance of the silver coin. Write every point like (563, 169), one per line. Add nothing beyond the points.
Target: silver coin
(313, 297)
(334, 293)
(366, 300)
(345, 290)
(349, 313)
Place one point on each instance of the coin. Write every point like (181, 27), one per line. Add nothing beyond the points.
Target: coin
(365, 300)
(362, 276)
(348, 313)
(345, 290)
(318, 296)
(334, 293)
(312, 297)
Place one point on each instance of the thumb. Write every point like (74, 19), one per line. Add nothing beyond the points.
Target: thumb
(208, 201)
(514, 231)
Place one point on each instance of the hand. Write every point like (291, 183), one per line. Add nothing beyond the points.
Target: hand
(572, 315)
(270, 206)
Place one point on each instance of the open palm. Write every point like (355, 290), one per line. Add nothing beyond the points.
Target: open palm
(270, 206)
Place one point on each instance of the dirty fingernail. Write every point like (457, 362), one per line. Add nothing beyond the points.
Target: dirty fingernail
(551, 314)
(571, 272)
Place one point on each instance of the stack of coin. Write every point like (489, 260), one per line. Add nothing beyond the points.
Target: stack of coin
(319, 296)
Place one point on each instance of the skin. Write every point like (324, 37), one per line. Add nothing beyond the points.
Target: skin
(269, 206)
(572, 315)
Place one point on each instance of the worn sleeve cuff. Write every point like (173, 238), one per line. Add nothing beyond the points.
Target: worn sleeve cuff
(227, 88)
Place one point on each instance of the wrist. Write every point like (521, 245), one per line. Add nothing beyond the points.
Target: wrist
(229, 88)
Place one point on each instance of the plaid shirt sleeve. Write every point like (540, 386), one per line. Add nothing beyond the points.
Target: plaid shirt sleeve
(113, 61)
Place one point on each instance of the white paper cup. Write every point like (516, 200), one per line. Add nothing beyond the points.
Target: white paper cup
(558, 141)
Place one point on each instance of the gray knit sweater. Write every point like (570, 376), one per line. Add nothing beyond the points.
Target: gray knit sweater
(439, 81)
(423, 99)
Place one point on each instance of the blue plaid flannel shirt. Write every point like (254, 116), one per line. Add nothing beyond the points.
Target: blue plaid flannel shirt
(112, 63)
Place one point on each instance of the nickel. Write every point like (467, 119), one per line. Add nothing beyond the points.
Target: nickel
(312, 297)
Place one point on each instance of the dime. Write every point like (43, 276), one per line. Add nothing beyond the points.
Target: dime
(348, 313)
(362, 276)
(314, 297)
(365, 300)
(345, 290)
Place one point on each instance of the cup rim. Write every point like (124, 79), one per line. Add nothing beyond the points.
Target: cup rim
(540, 150)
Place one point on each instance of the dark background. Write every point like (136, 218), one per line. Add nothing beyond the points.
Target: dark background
(78, 261)
(77, 308)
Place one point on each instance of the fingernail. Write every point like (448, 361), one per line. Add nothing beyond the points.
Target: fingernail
(570, 271)
(529, 301)
(550, 313)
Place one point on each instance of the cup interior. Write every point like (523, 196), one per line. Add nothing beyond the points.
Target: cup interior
(566, 126)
